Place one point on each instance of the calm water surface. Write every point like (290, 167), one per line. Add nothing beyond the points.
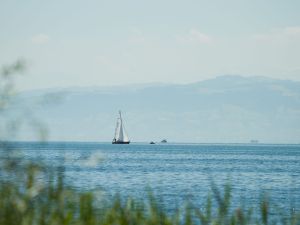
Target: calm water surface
(178, 171)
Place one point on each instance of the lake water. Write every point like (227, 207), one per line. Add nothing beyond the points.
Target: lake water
(176, 172)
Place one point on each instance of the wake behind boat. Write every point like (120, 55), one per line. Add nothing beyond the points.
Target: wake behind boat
(120, 133)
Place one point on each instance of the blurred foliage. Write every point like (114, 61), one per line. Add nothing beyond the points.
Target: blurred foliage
(28, 203)
(14, 113)
(31, 194)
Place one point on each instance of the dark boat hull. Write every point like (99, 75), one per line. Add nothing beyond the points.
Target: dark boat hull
(120, 142)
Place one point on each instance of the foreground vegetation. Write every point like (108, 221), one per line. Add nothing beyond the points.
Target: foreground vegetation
(32, 195)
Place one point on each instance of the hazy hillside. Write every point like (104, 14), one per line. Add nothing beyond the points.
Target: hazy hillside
(225, 109)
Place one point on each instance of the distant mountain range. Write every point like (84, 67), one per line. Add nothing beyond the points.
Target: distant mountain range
(224, 109)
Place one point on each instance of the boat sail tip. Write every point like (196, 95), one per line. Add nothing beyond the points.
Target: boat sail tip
(120, 133)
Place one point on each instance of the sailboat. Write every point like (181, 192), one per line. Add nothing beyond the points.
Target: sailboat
(120, 133)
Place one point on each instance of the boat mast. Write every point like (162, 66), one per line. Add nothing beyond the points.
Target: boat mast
(120, 115)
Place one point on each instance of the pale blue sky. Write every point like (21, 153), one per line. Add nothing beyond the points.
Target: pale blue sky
(83, 43)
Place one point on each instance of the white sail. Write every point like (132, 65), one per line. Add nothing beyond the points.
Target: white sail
(123, 136)
(120, 133)
(117, 131)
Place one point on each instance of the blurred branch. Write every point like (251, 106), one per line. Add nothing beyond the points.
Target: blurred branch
(14, 113)
(7, 82)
